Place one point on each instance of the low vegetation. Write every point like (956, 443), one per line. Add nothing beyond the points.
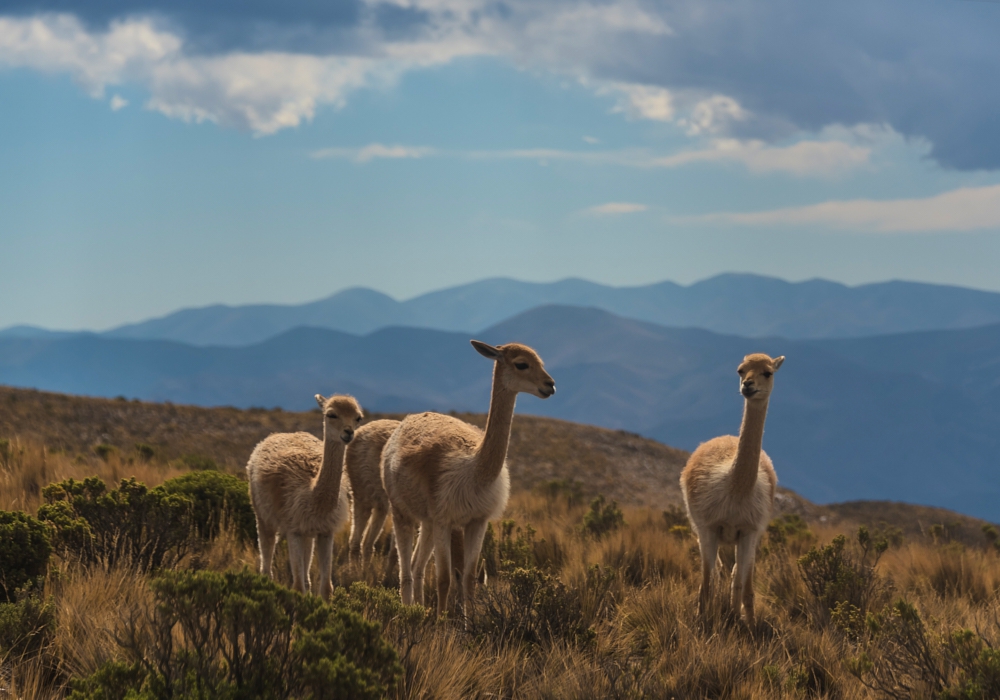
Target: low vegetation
(583, 597)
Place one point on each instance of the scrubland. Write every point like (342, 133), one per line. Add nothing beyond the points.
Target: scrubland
(582, 597)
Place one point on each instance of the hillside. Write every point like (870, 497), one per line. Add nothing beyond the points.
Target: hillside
(631, 469)
(766, 307)
(848, 421)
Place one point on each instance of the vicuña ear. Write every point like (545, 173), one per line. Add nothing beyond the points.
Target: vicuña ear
(320, 400)
(486, 350)
(776, 362)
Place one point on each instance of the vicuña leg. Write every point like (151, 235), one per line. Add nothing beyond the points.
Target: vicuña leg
(708, 541)
(324, 559)
(374, 529)
(442, 561)
(267, 538)
(422, 555)
(474, 533)
(746, 549)
(300, 556)
(402, 529)
(359, 516)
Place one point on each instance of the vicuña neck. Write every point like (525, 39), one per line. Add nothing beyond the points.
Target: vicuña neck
(493, 450)
(327, 482)
(747, 461)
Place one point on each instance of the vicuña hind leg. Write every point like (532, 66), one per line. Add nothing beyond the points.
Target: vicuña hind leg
(422, 555)
(359, 516)
(374, 529)
(709, 543)
(267, 538)
(442, 561)
(403, 533)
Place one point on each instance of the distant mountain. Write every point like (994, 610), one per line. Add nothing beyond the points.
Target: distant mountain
(903, 417)
(746, 305)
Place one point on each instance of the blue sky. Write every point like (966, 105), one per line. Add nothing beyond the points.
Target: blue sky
(158, 156)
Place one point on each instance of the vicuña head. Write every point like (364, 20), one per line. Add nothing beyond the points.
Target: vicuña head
(519, 369)
(341, 415)
(757, 375)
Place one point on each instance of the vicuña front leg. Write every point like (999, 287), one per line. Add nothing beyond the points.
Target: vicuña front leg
(742, 593)
(709, 544)
(324, 559)
(442, 561)
(474, 533)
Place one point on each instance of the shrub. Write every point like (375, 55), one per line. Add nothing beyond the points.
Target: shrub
(199, 463)
(131, 524)
(144, 451)
(513, 550)
(25, 548)
(25, 627)
(216, 497)
(240, 635)
(838, 580)
(602, 517)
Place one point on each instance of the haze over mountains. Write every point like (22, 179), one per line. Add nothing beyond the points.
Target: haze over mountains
(747, 305)
(902, 416)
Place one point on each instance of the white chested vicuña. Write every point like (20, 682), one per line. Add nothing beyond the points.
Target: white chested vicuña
(448, 475)
(369, 502)
(728, 486)
(297, 491)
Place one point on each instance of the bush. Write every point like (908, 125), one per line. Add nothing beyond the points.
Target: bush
(25, 548)
(216, 497)
(199, 463)
(239, 635)
(515, 548)
(132, 524)
(602, 517)
(104, 451)
(840, 581)
(25, 627)
(144, 451)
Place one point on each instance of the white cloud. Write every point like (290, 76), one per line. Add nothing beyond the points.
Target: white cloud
(960, 210)
(802, 158)
(118, 102)
(373, 151)
(616, 208)
(591, 140)
(713, 115)
(642, 101)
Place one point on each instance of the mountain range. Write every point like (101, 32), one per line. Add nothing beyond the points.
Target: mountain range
(737, 304)
(909, 416)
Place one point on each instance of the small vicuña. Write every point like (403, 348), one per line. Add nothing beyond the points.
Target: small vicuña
(297, 491)
(728, 486)
(369, 502)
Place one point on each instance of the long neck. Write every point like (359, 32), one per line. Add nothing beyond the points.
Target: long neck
(327, 482)
(493, 449)
(747, 461)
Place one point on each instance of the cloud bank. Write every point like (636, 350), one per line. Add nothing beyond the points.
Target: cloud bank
(751, 72)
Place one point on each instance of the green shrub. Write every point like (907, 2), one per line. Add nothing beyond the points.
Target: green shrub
(602, 517)
(144, 451)
(25, 547)
(841, 581)
(514, 549)
(25, 627)
(216, 497)
(199, 463)
(239, 635)
(132, 524)
(531, 607)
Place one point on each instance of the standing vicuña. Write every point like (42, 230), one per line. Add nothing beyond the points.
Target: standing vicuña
(369, 502)
(448, 475)
(297, 491)
(728, 487)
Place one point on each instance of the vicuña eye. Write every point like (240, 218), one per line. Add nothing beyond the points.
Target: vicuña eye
(767, 375)
(358, 419)
(521, 365)
(331, 415)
